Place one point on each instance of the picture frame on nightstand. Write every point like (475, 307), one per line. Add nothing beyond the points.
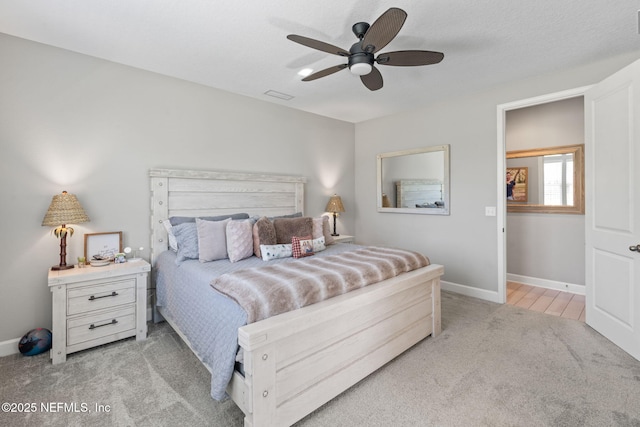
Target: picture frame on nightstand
(102, 245)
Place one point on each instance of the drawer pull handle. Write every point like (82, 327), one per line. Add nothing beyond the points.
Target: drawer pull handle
(112, 294)
(113, 322)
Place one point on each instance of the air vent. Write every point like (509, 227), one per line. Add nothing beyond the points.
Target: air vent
(279, 95)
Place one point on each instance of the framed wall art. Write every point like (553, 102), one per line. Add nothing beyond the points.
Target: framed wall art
(102, 246)
(517, 184)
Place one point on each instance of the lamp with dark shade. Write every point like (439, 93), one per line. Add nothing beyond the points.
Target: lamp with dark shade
(335, 206)
(64, 209)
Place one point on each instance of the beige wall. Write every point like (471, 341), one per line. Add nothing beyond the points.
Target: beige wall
(465, 242)
(546, 246)
(94, 128)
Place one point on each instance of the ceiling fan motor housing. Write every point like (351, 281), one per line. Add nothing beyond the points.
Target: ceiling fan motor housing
(360, 62)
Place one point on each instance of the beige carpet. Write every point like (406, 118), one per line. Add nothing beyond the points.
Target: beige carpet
(493, 365)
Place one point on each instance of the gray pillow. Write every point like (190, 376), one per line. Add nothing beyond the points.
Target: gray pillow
(212, 239)
(187, 238)
(175, 220)
(294, 215)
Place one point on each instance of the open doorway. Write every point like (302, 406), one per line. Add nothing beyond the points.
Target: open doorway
(537, 248)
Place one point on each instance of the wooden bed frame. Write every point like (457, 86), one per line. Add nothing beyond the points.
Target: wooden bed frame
(297, 361)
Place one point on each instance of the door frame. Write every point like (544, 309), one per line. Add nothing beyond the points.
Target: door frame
(501, 210)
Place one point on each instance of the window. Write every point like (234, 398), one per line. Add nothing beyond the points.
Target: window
(558, 179)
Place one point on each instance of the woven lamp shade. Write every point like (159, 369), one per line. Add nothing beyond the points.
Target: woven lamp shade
(64, 209)
(335, 204)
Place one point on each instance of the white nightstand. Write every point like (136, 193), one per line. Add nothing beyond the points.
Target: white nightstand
(343, 238)
(97, 305)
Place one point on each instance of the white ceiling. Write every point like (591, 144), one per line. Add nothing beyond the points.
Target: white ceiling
(241, 46)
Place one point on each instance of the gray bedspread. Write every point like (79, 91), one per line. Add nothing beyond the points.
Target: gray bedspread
(207, 319)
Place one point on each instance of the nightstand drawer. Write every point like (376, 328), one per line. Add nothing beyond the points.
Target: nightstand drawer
(98, 325)
(106, 295)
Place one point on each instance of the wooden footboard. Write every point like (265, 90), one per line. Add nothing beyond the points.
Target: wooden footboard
(297, 361)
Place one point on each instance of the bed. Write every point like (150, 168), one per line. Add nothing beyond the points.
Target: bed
(294, 362)
(419, 193)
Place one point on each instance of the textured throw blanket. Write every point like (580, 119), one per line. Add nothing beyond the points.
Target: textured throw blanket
(267, 291)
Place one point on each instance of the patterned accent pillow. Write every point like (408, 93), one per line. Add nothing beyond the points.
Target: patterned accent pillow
(239, 240)
(270, 252)
(301, 246)
(212, 239)
(263, 234)
(187, 240)
(318, 244)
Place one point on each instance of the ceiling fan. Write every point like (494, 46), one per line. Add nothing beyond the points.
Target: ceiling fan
(371, 38)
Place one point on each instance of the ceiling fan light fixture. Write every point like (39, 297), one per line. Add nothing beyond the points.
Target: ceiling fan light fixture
(360, 69)
(305, 72)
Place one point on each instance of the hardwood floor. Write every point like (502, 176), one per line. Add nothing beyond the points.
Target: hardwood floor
(549, 301)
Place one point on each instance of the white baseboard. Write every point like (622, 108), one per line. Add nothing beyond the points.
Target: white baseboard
(470, 291)
(549, 284)
(9, 347)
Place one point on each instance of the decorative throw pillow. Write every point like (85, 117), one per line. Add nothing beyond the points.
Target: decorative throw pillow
(212, 239)
(270, 252)
(317, 227)
(326, 230)
(318, 244)
(239, 240)
(286, 228)
(263, 234)
(301, 246)
(187, 240)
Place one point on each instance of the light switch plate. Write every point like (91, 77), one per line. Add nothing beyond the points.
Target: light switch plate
(490, 210)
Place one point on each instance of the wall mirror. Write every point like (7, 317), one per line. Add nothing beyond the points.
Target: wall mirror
(414, 181)
(546, 180)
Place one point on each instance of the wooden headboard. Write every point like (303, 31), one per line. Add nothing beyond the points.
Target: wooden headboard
(203, 193)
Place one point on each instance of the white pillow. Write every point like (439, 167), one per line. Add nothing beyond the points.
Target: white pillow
(270, 252)
(321, 227)
(212, 239)
(173, 243)
(239, 240)
(318, 244)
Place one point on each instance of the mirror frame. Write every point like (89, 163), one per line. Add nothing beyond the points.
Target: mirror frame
(425, 211)
(578, 180)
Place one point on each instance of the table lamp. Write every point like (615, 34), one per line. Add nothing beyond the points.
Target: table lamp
(64, 209)
(335, 206)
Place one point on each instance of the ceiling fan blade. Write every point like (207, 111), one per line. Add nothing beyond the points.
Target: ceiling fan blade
(383, 30)
(316, 44)
(325, 72)
(409, 58)
(373, 80)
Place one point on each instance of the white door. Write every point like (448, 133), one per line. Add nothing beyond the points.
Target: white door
(612, 172)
